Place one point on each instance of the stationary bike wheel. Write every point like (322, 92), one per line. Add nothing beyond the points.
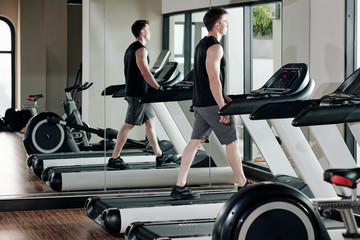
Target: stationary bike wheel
(43, 137)
(78, 135)
(269, 211)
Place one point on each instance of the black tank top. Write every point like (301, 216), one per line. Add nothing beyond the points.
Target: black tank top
(136, 86)
(202, 96)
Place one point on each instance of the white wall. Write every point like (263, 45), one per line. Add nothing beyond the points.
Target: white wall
(314, 32)
(169, 6)
(33, 51)
(296, 31)
(43, 54)
(327, 46)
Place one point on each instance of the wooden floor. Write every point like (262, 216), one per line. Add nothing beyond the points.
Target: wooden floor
(71, 224)
(16, 179)
(19, 183)
(15, 176)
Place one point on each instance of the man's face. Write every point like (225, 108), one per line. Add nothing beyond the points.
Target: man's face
(223, 24)
(146, 32)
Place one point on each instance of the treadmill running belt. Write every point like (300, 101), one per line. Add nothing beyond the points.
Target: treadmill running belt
(101, 203)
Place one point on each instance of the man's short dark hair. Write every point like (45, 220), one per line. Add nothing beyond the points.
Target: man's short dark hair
(138, 26)
(212, 16)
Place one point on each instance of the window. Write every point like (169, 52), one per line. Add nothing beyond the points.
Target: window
(7, 59)
(265, 45)
(266, 42)
(198, 31)
(176, 40)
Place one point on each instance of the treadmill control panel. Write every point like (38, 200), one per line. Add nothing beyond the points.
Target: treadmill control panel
(160, 62)
(354, 89)
(346, 94)
(284, 81)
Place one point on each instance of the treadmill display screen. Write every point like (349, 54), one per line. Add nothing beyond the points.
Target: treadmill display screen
(286, 78)
(354, 88)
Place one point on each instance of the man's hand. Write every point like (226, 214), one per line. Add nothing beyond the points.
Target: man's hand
(225, 119)
(227, 98)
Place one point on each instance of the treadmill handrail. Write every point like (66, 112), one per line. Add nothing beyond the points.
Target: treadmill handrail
(180, 91)
(340, 106)
(327, 115)
(278, 110)
(345, 86)
(247, 106)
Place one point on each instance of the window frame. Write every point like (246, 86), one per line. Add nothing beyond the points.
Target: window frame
(350, 61)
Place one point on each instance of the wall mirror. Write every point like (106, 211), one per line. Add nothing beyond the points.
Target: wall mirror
(76, 43)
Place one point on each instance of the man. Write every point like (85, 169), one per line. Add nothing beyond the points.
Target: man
(208, 98)
(138, 77)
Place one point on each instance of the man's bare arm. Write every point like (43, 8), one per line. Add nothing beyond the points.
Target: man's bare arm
(213, 59)
(141, 61)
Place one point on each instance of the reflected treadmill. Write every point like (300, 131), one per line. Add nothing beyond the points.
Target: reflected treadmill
(140, 174)
(41, 162)
(297, 86)
(166, 73)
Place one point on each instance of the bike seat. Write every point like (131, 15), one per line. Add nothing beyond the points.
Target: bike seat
(343, 177)
(35, 97)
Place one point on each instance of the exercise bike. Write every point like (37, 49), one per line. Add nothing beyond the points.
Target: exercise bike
(276, 211)
(47, 132)
(43, 137)
(33, 107)
(267, 210)
(77, 134)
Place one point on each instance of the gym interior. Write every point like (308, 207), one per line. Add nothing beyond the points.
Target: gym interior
(49, 46)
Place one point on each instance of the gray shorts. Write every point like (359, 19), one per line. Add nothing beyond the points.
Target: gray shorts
(207, 120)
(137, 113)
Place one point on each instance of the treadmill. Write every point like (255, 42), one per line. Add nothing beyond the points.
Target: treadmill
(321, 115)
(115, 214)
(253, 213)
(298, 87)
(341, 106)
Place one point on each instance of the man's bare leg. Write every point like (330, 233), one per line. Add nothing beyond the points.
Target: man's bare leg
(121, 139)
(151, 135)
(187, 158)
(234, 159)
